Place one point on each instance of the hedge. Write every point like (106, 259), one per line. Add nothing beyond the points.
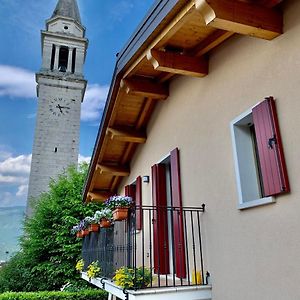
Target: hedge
(82, 295)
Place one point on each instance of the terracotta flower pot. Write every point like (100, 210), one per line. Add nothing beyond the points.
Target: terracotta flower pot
(79, 234)
(104, 223)
(93, 227)
(120, 213)
(85, 232)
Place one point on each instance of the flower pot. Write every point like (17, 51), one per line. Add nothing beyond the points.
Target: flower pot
(93, 227)
(104, 223)
(79, 234)
(85, 232)
(120, 213)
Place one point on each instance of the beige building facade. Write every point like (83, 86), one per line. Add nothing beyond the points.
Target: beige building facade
(250, 249)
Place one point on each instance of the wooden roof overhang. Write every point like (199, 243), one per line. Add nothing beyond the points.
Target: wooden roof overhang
(179, 44)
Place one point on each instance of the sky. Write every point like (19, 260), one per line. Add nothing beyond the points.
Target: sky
(109, 24)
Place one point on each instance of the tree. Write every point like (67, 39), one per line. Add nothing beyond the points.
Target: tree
(48, 251)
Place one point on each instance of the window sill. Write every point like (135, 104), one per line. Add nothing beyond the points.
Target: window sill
(255, 203)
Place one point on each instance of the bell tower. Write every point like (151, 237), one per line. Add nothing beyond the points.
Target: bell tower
(60, 90)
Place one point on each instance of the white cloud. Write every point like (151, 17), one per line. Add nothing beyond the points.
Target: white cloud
(14, 176)
(22, 190)
(4, 154)
(17, 82)
(94, 102)
(9, 199)
(12, 179)
(82, 158)
(16, 165)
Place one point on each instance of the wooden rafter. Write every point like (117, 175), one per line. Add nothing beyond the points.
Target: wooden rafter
(146, 88)
(212, 41)
(178, 63)
(270, 3)
(113, 170)
(126, 135)
(266, 3)
(170, 29)
(98, 196)
(240, 17)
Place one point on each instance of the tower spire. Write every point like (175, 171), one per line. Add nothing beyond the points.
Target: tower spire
(67, 8)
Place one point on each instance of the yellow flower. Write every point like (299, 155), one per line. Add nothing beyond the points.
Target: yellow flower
(79, 265)
(93, 270)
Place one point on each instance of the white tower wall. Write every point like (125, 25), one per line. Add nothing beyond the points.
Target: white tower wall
(60, 89)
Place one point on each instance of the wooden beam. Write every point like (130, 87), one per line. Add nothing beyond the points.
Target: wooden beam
(178, 63)
(269, 3)
(266, 3)
(176, 23)
(146, 88)
(240, 17)
(99, 196)
(125, 135)
(212, 41)
(113, 170)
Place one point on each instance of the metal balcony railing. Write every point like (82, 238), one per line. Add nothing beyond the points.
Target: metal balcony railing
(165, 240)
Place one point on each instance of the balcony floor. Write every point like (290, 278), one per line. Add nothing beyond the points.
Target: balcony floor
(199, 292)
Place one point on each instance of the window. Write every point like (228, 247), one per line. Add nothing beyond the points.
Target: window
(74, 60)
(258, 154)
(52, 57)
(63, 59)
(168, 230)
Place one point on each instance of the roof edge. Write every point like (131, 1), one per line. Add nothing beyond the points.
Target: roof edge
(159, 10)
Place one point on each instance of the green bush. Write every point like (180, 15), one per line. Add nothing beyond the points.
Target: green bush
(48, 250)
(83, 295)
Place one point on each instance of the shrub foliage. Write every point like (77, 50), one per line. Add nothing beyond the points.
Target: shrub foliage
(83, 295)
(48, 251)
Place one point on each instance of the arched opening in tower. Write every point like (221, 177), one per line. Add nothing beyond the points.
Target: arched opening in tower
(63, 59)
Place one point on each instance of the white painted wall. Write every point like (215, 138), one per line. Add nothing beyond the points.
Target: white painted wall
(254, 253)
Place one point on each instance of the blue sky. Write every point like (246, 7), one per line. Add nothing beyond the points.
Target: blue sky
(109, 25)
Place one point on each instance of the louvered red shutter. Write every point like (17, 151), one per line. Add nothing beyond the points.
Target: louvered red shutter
(130, 191)
(138, 201)
(270, 150)
(127, 190)
(160, 220)
(178, 216)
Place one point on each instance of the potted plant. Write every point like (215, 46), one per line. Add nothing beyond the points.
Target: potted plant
(93, 225)
(137, 278)
(93, 270)
(83, 227)
(120, 206)
(104, 217)
(77, 230)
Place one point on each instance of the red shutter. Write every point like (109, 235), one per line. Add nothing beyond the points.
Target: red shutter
(138, 201)
(160, 220)
(130, 191)
(178, 216)
(270, 150)
(126, 190)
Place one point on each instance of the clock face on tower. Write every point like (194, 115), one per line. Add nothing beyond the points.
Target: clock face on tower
(59, 106)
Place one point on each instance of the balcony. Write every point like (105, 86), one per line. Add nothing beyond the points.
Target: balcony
(165, 240)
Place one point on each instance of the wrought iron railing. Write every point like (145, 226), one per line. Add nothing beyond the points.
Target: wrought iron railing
(165, 240)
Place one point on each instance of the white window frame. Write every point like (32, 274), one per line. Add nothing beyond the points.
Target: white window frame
(247, 180)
